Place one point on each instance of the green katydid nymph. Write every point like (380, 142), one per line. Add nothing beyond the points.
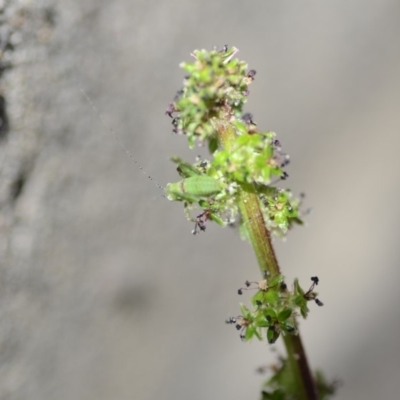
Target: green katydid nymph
(193, 189)
(195, 186)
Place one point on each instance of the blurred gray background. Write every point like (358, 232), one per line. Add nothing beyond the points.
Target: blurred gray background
(104, 293)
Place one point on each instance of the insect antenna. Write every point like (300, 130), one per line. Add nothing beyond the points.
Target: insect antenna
(118, 139)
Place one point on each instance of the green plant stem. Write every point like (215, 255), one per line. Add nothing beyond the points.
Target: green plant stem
(261, 241)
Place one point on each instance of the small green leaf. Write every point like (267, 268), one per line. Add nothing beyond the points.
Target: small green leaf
(272, 335)
(297, 288)
(260, 320)
(241, 127)
(284, 314)
(245, 311)
(271, 297)
(212, 144)
(257, 334)
(258, 298)
(270, 314)
(250, 332)
(275, 281)
(301, 302)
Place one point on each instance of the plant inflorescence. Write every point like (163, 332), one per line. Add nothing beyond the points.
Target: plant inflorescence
(240, 184)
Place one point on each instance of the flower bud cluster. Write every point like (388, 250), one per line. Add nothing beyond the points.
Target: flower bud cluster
(215, 84)
(274, 308)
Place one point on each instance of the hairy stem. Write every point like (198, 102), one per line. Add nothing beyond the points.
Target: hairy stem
(261, 241)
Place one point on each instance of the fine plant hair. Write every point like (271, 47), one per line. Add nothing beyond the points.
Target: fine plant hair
(240, 186)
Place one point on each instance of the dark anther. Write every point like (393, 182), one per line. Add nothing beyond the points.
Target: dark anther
(277, 143)
(247, 283)
(170, 109)
(315, 279)
(310, 295)
(240, 291)
(224, 49)
(178, 94)
(231, 320)
(286, 161)
(202, 226)
(262, 370)
(175, 121)
(251, 74)
(283, 286)
(247, 118)
(203, 164)
(201, 222)
(284, 175)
